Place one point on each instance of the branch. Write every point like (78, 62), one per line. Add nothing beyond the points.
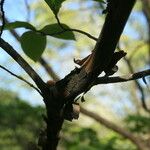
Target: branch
(75, 30)
(126, 134)
(102, 80)
(53, 120)
(103, 121)
(117, 16)
(125, 78)
(13, 53)
(42, 60)
(22, 79)
(2, 13)
(13, 32)
(79, 80)
(138, 85)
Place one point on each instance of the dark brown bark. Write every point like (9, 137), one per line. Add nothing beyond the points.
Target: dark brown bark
(115, 21)
(125, 78)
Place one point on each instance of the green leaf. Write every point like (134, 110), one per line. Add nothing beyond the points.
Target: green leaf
(101, 1)
(54, 5)
(56, 31)
(18, 24)
(33, 44)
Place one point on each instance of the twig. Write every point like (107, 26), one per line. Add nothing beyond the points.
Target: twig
(29, 70)
(55, 33)
(118, 79)
(13, 32)
(101, 80)
(3, 16)
(138, 85)
(47, 67)
(22, 79)
(75, 30)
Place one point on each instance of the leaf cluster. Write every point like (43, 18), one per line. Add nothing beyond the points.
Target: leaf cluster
(33, 42)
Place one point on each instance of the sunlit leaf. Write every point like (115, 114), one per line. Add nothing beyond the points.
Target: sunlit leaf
(18, 24)
(56, 31)
(33, 44)
(54, 5)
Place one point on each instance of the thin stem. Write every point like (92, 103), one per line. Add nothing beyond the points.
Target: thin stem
(75, 30)
(140, 88)
(119, 79)
(29, 70)
(138, 85)
(21, 78)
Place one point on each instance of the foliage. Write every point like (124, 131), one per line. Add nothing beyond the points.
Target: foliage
(18, 24)
(19, 122)
(54, 5)
(138, 123)
(100, 1)
(86, 138)
(56, 31)
(87, 135)
(33, 44)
